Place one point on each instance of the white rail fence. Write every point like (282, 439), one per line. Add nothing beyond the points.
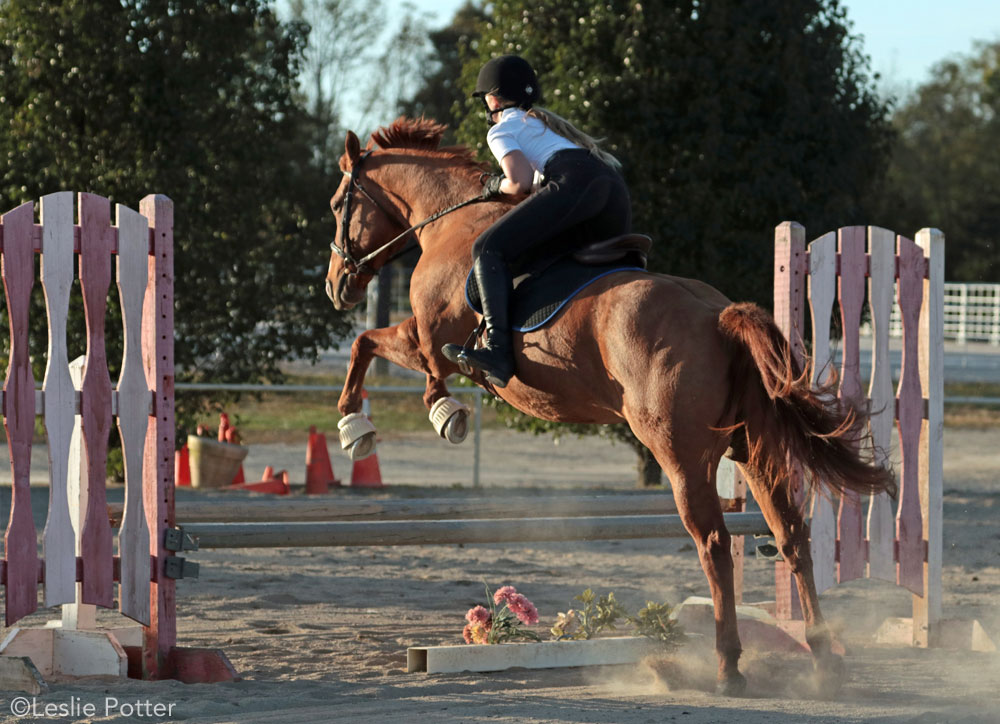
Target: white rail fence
(971, 313)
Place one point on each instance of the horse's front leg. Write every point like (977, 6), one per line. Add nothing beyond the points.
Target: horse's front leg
(399, 345)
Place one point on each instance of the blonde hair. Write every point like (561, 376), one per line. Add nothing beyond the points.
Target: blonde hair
(567, 130)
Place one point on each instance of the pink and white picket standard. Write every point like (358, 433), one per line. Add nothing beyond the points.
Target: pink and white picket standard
(78, 567)
(851, 537)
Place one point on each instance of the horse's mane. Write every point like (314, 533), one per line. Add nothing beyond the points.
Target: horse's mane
(423, 134)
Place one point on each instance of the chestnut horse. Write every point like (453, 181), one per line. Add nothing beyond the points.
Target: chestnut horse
(690, 372)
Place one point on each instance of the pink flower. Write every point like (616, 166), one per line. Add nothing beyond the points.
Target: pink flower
(467, 633)
(504, 593)
(524, 609)
(477, 615)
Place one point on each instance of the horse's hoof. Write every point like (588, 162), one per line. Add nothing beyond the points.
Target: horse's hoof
(450, 419)
(357, 435)
(732, 685)
(830, 676)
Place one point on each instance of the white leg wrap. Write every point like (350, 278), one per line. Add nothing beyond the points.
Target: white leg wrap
(450, 419)
(357, 435)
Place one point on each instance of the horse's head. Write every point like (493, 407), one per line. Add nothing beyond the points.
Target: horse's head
(379, 192)
(363, 224)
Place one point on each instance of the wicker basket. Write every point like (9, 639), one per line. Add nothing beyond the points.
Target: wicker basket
(213, 464)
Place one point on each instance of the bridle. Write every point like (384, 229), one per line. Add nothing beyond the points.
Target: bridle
(361, 266)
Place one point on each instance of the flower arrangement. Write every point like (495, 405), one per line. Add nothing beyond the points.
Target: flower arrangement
(508, 611)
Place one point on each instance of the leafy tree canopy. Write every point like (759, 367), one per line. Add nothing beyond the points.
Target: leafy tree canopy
(729, 117)
(945, 169)
(198, 101)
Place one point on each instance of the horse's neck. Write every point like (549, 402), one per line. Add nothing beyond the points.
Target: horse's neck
(433, 185)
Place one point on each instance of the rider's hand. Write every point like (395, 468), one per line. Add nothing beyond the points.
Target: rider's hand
(491, 186)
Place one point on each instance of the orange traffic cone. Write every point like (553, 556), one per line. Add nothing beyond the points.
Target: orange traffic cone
(271, 483)
(365, 473)
(319, 469)
(182, 466)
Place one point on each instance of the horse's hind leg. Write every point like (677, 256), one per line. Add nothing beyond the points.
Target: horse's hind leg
(691, 464)
(701, 511)
(791, 534)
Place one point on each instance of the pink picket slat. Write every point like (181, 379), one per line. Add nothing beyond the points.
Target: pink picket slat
(20, 544)
(95, 399)
(909, 522)
(790, 269)
(853, 265)
(158, 458)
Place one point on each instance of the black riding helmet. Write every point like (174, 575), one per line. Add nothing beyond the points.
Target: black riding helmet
(511, 77)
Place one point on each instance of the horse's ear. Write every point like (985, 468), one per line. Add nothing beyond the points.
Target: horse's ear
(352, 148)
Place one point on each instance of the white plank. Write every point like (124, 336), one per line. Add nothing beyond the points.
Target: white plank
(822, 291)
(133, 410)
(543, 655)
(927, 610)
(78, 615)
(881, 292)
(58, 397)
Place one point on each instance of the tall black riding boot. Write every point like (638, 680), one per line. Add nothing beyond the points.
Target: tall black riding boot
(496, 357)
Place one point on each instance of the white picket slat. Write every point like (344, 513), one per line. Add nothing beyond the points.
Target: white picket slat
(133, 412)
(822, 291)
(78, 615)
(58, 399)
(881, 523)
(927, 608)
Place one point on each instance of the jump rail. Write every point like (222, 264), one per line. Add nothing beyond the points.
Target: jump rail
(440, 532)
(331, 509)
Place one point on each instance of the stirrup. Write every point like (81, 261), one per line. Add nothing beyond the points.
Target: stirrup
(455, 353)
(490, 371)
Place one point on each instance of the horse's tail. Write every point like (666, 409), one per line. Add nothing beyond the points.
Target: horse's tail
(785, 417)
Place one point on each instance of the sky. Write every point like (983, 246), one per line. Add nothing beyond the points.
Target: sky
(904, 38)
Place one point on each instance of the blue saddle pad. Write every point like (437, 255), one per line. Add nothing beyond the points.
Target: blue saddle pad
(537, 298)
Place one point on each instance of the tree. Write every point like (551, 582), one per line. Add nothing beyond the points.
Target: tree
(729, 117)
(197, 101)
(441, 95)
(945, 168)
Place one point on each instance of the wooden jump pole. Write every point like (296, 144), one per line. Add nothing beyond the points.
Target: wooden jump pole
(241, 510)
(437, 532)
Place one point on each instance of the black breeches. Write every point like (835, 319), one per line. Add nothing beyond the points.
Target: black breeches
(582, 200)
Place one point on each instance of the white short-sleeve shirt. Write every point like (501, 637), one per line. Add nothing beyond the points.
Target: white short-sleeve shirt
(517, 131)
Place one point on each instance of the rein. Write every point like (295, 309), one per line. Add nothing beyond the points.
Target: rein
(361, 265)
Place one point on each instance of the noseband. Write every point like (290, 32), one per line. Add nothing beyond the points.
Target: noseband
(361, 266)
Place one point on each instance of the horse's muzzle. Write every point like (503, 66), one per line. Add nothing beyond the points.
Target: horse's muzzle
(347, 294)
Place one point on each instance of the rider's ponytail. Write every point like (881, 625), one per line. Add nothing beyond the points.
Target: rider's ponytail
(567, 130)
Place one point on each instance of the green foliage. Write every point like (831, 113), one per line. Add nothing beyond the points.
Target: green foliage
(197, 101)
(654, 621)
(441, 95)
(945, 169)
(729, 117)
(598, 614)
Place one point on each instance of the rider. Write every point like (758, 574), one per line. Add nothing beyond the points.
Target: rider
(569, 179)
